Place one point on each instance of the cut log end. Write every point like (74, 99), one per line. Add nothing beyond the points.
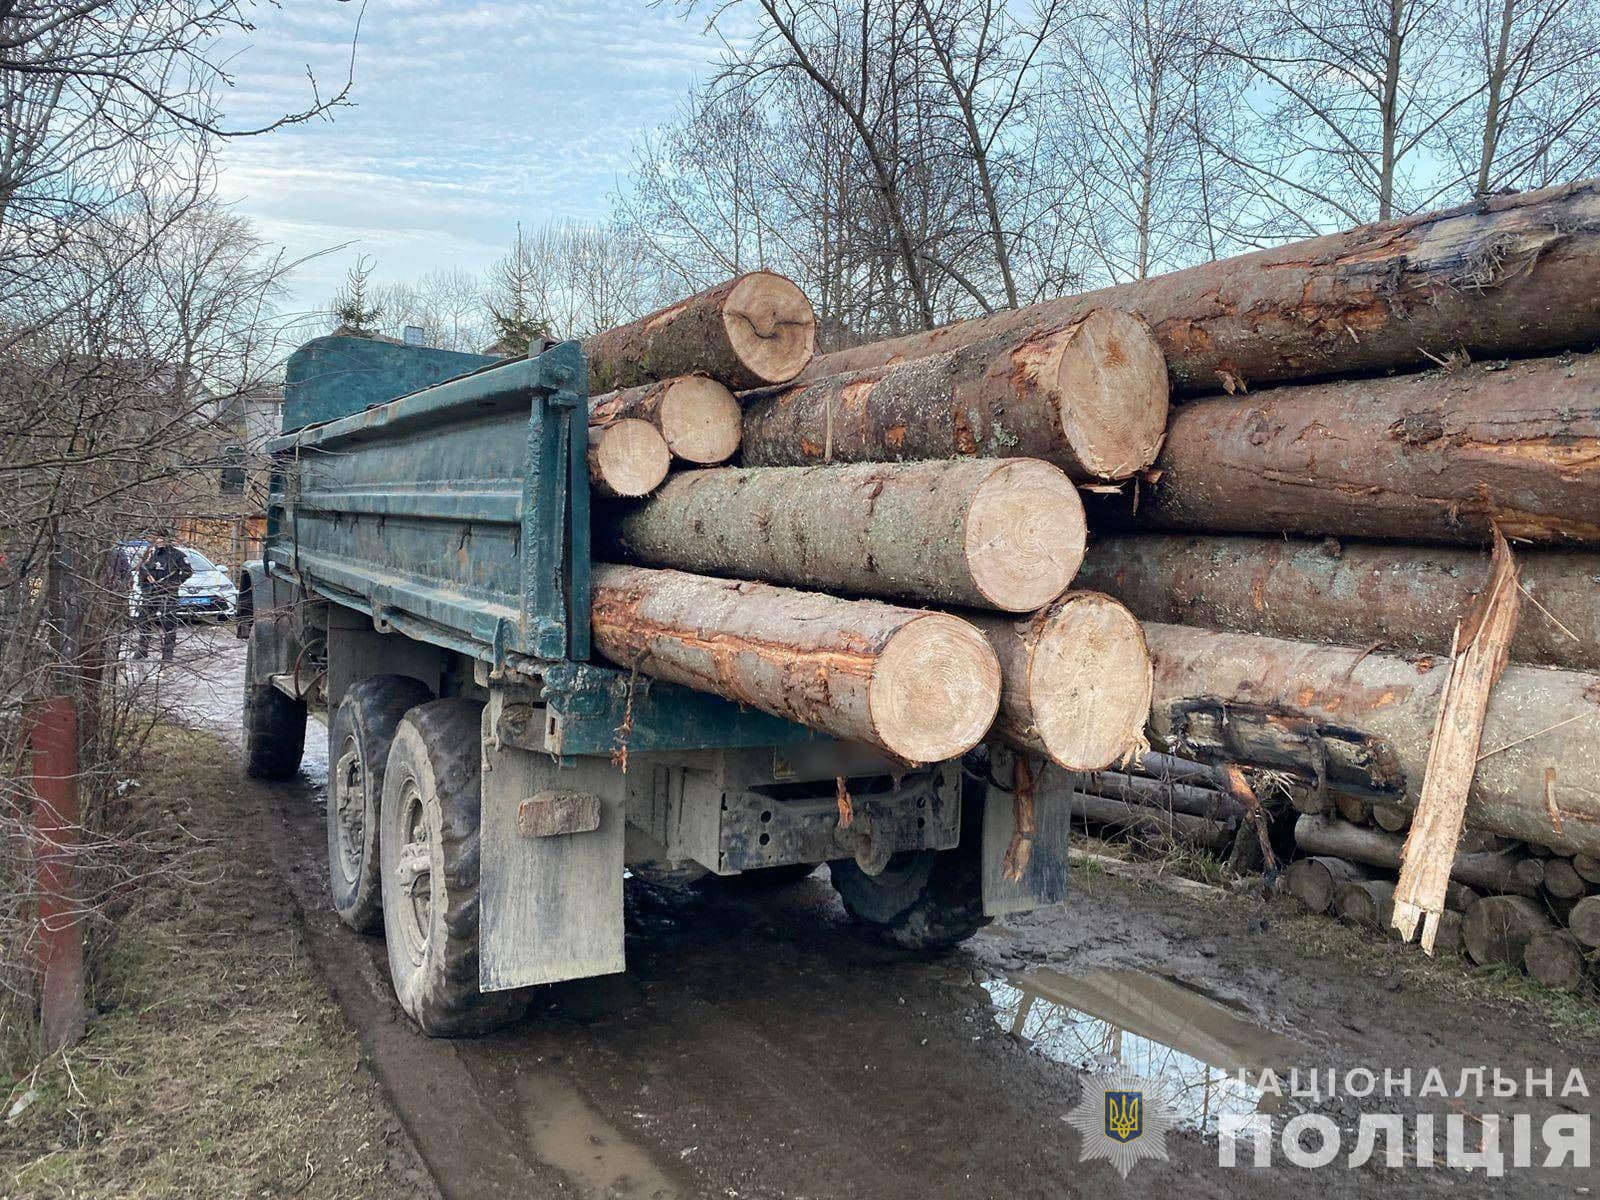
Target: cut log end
(770, 326)
(1025, 535)
(935, 689)
(628, 458)
(1111, 378)
(1089, 682)
(700, 420)
(1497, 929)
(1556, 960)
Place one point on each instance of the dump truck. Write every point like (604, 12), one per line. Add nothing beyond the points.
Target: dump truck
(424, 592)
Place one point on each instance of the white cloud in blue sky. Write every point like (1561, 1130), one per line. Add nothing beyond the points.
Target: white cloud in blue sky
(468, 117)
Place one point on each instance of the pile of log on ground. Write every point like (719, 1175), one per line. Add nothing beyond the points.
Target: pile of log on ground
(1299, 537)
(887, 558)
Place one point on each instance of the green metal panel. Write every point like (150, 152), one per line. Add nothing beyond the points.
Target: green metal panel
(459, 515)
(334, 376)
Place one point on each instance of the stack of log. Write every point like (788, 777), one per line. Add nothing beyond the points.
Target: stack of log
(1356, 414)
(890, 561)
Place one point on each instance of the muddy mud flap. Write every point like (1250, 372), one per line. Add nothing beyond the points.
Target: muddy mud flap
(1022, 870)
(550, 867)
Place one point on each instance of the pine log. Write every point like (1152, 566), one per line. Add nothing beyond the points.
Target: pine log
(1474, 841)
(1380, 708)
(1391, 817)
(1557, 960)
(1353, 593)
(1089, 396)
(1365, 902)
(699, 417)
(1432, 457)
(627, 459)
(1588, 866)
(1005, 535)
(1313, 881)
(747, 332)
(1530, 875)
(1448, 939)
(1487, 871)
(1497, 929)
(1148, 823)
(922, 686)
(1584, 921)
(1352, 808)
(1161, 793)
(1075, 680)
(1561, 880)
(1505, 275)
(1307, 799)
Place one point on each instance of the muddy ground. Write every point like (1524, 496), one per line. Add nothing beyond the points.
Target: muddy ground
(760, 1046)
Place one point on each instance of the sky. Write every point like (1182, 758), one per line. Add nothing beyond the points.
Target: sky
(467, 118)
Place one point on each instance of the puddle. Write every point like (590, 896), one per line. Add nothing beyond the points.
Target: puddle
(1153, 1026)
(575, 1139)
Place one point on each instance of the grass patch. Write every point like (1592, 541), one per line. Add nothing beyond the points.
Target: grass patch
(215, 1065)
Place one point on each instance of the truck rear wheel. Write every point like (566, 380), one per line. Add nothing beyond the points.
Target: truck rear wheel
(428, 845)
(358, 744)
(274, 725)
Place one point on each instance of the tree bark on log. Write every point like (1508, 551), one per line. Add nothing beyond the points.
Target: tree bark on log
(1373, 715)
(1497, 929)
(1351, 593)
(1433, 457)
(748, 332)
(1148, 823)
(1161, 793)
(1556, 960)
(1506, 275)
(627, 459)
(1584, 921)
(921, 686)
(1089, 396)
(1487, 871)
(1313, 881)
(1075, 680)
(1005, 535)
(699, 418)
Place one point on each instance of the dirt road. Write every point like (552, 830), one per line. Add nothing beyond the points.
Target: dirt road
(759, 1046)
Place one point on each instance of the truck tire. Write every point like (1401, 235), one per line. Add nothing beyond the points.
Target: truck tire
(923, 899)
(358, 747)
(428, 845)
(274, 725)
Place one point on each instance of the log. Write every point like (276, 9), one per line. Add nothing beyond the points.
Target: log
(921, 686)
(1373, 715)
(1447, 939)
(1489, 871)
(1433, 457)
(1391, 817)
(1365, 902)
(1562, 881)
(627, 459)
(1006, 535)
(1149, 823)
(1506, 275)
(1497, 929)
(747, 332)
(1161, 793)
(1530, 876)
(1304, 799)
(1475, 840)
(1075, 680)
(1588, 866)
(1557, 960)
(1089, 396)
(1313, 881)
(1352, 593)
(1584, 921)
(1352, 808)
(699, 418)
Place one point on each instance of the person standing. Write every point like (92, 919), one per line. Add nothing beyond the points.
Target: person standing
(161, 572)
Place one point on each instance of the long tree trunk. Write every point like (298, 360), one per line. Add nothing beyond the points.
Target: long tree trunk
(1006, 535)
(1367, 718)
(1486, 870)
(699, 417)
(1432, 457)
(1075, 680)
(1088, 395)
(922, 686)
(747, 332)
(1503, 275)
(1353, 593)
